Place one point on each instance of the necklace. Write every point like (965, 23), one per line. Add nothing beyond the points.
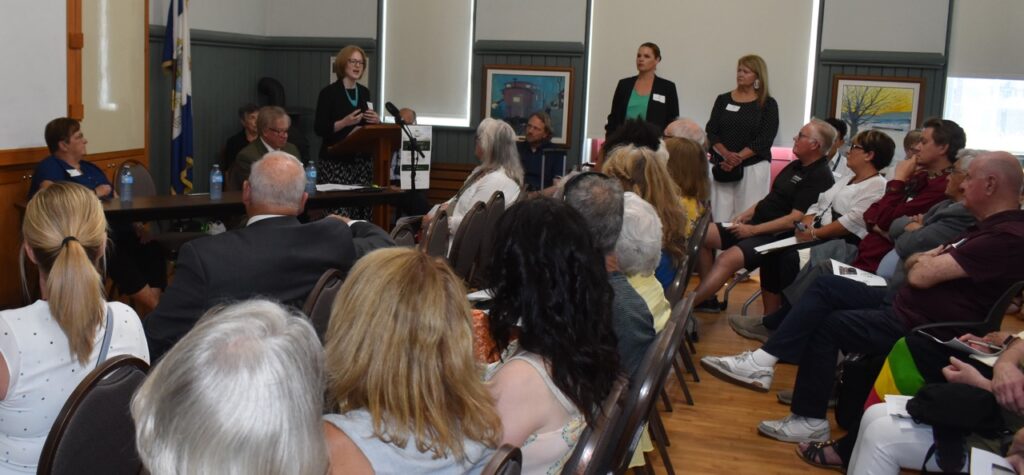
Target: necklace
(352, 100)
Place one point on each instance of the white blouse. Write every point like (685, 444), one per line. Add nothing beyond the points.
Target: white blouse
(851, 201)
(481, 190)
(44, 374)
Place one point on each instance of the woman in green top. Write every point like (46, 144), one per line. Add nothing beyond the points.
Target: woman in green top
(645, 96)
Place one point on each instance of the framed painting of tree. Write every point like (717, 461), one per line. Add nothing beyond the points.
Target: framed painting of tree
(889, 104)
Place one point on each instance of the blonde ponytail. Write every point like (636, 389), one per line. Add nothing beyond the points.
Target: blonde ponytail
(66, 230)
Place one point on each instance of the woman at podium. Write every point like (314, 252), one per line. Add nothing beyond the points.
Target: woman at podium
(342, 106)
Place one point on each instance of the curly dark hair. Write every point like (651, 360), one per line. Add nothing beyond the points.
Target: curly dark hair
(551, 280)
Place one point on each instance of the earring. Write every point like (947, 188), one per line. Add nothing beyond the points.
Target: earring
(757, 84)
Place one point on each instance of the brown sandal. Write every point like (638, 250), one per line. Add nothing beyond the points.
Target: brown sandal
(814, 454)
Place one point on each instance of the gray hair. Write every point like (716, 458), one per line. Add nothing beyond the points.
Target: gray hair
(268, 115)
(242, 393)
(598, 199)
(686, 128)
(498, 141)
(824, 133)
(274, 183)
(639, 246)
(965, 155)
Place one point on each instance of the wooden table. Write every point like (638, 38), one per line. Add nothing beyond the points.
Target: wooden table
(151, 208)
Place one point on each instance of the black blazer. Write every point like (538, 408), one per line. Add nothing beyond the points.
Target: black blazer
(658, 113)
(278, 258)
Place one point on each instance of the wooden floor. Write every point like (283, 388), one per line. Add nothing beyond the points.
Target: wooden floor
(719, 433)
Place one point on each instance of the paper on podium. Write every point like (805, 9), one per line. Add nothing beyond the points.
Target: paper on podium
(855, 274)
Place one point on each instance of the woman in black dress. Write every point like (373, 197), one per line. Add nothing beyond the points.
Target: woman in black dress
(341, 107)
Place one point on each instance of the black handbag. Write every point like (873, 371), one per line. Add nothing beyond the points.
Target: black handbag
(736, 174)
(955, 410)
(857, 375)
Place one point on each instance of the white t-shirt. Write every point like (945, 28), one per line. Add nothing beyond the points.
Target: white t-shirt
(851, 201)
(44, 374)
(481, 190)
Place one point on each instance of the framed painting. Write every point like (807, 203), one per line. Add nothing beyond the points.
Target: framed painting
(513, 93)
(890, 104)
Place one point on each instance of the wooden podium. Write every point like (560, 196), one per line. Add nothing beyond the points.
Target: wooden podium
(379, 141)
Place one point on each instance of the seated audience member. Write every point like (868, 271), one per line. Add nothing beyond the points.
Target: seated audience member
(247, 116)
(911, 142)
(915, 186)
(599, 199)
(837, 216)
(241, 393)
(944, 221)
(135, 263)
(408, 401)
(638, 251)
(552, 298)
(643, 174)
(634, 132)
(955, 282)
(886, 443)
(274, 255)
(533, 156)
(836, 155)
(688, 167)
(795, 189)
(499, 170)
(685, 128)
(49, 346)
(272, 123)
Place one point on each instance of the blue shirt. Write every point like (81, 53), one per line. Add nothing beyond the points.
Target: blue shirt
(55, 169)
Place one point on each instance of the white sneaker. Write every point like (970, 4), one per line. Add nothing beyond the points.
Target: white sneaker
(795, 428)
(740, 369)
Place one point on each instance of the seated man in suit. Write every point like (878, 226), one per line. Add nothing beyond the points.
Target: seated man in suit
(273, 256)
(959, 281)
(272, 123)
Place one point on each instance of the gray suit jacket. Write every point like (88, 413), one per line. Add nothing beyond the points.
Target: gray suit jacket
(278, 258)
(945, 220)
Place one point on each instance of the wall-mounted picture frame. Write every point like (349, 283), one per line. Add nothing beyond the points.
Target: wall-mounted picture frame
(513, 93)
(890, 104)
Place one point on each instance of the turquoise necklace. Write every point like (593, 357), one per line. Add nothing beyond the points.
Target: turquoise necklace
(352, 100)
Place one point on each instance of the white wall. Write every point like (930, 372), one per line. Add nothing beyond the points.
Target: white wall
(532, 20)
(34, 75)
(917, 26)
(700, 43)
(319, 18)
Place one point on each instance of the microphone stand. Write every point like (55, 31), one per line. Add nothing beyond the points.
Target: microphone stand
(414, 145)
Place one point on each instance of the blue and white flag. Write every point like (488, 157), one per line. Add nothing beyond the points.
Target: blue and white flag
(177, 58)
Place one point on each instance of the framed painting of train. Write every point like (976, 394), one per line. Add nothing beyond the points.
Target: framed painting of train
(514, 93)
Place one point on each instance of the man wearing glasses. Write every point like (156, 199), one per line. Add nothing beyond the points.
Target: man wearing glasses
(272, 124)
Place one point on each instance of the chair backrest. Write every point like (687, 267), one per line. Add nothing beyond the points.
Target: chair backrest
(495, 207)
(696, 240)
(142, 180)
(404, 233)
(466, 243)
(435, 242)
(321, 298)
(94, 428)
(594, 448)
(675, 290)
(507, 460)
(647, 382)
(993, 321)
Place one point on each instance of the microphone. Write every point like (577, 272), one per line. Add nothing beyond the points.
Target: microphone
(390, 106)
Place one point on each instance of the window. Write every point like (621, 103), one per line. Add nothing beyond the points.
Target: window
(990, 110)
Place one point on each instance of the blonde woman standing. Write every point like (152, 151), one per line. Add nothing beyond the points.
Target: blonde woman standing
(48, 347)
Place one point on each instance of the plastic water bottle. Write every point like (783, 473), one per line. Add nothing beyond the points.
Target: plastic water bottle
(216, 183)
(126, 183)
(311, 178)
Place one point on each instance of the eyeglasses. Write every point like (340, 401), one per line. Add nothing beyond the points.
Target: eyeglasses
(356, 62)
(858, 146)
(278, 131)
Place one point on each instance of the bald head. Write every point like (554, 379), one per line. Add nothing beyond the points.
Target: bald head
(687, 129)
(276, 185)
(993, 184)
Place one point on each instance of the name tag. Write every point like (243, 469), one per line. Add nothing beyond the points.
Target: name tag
(73, 172)
(658, 98)
(732, 108)
(796, 179)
